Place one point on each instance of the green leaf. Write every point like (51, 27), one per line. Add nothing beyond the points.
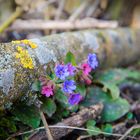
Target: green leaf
(114, 90)
(110, 79)
(129, 115)
(73, 108)
(27, 114)
(48, 107)
(113, 109)
(65, 113)
(91, 123)
(81, 89)
(70, 58)
(36, 86)
(60, 97)
(96, 131)
(117, 76)
(94, 96)
(135, 132)
(107, 128)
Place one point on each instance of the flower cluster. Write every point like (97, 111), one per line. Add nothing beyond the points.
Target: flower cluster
(87, 66)
(63, 71)
(67, 75)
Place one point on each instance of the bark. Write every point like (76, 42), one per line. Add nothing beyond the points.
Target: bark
(114, 47)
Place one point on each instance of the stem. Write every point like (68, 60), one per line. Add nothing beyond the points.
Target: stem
(48, 132)
(16, 14)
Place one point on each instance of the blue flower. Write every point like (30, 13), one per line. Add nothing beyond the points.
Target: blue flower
(74, 98)
(69, 86)
(93, 61)
(61, 71)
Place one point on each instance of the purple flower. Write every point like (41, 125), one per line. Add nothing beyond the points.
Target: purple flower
(61, 71)
(74, 98)
(71, 69)
(92, 61)
(69, 86)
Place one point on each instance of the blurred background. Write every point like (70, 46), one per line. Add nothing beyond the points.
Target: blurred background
(20, 19)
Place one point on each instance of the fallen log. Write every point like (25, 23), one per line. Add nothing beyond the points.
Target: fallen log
(21, 64)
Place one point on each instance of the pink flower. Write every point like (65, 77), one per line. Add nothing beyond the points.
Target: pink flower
(47, 91)
(86, 69)
(86, 79)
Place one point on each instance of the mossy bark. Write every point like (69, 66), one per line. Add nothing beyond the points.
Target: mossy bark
(114, 47)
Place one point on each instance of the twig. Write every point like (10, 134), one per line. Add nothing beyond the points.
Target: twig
(62, 24)
(93, 8)
(83, 137)
(60, 9)
(82, 7)
(16, 14)
(76, 128)
(48, 132)
(58, 12)
(129, 130)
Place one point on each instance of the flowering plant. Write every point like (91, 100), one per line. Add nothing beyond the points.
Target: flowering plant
(69, 78)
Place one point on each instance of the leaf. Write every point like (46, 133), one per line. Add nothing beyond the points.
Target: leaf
(113, 109)
(110, 79)
(96, 131)
(94, 96)
(114, 90)
(65, 113)
(60, 97)
(70, 58)
(48, 107)
(81, 89)
(129, 115)
(36, 86)
(27, 114)
(107, 128)
(91, 125)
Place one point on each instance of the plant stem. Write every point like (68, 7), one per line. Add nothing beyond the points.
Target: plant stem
(48, 132)
(16, 14)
